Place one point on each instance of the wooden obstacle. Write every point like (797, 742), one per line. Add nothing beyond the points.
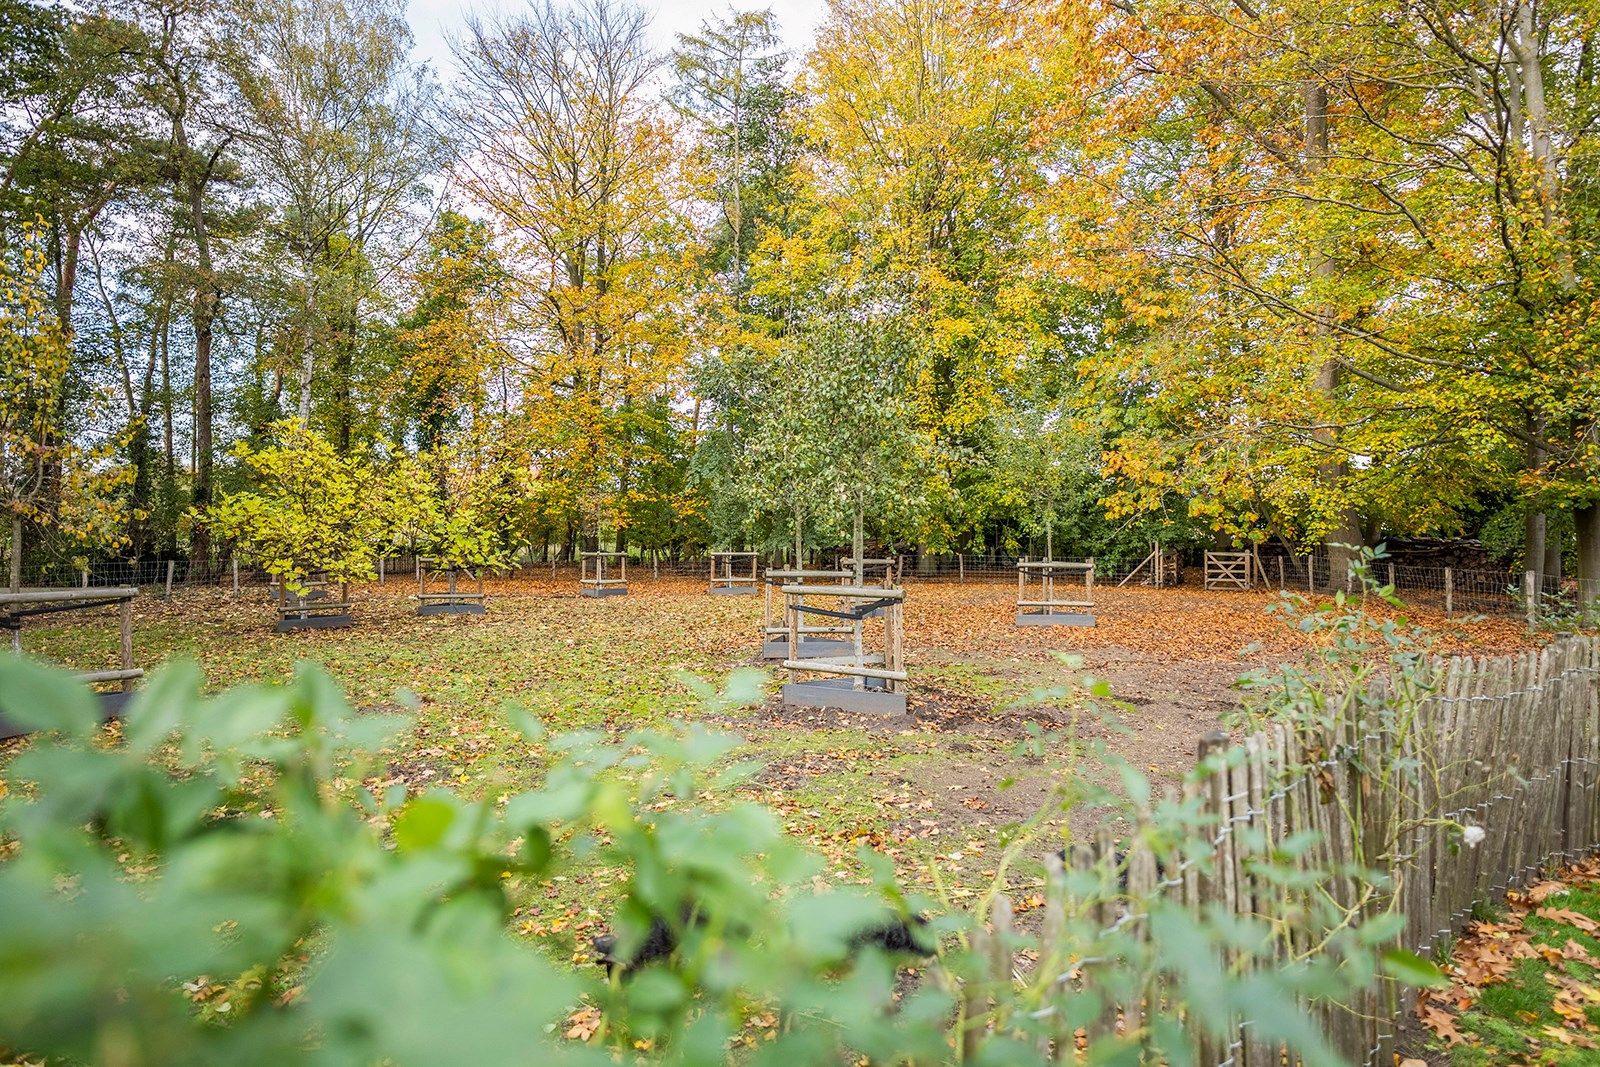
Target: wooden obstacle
(725, 581)
(33, 603)
(857, 680)
(1230, 570)
(1045, 607)
(315, 607)
(592, 580)
(454, 600)
(1161, 568)
(815, 640)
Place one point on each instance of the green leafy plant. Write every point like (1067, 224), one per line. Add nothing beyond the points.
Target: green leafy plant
(217, 886)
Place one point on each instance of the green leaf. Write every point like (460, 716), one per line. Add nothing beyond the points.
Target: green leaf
(423, 823)
(1412, 969)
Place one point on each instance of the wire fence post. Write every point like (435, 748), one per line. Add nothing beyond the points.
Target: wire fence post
(961, 567)
(235, 563)
(171, 566)
(381, 562)
(1530, 594)
(85, 577)
(1449, 592)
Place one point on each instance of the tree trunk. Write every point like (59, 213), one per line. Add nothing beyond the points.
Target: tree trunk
(1587, 520)
(207, 300)
(308, 307)
(1346, 533)
(858, 543)
(16, 553)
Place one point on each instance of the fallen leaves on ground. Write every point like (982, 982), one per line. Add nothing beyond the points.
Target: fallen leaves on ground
(1491, 953)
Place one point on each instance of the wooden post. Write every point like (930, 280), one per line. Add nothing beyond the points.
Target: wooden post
(235, 562)
(381, 562)
(1022, 582)
(1161, 567)
(897, 634)
(1391, 576)
(1281, 585)
(791, 609)
(961, 566)
(86, 577)
(1449, 590)
(126, 611)
(171, 563)
(1311, 574)
(1089, 582)
(1530, 595)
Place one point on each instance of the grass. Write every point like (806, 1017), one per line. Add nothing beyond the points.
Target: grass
(1546, 1008)
(919, 790)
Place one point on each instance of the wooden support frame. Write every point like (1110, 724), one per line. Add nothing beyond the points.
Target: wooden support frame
(1230, 570)
(1045, 607)
(725, 579)
(817, 639)
(313, 609)
(454, 600)
(890, 565)
(16, 606)
(597, 584)
(858, 679)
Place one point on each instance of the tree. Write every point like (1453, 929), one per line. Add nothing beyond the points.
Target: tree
(311, 510)
(566, 146)
(336, 122)
(451, 343)
(833, 441)
(47, 478)
(1345, 245)
(731, 87)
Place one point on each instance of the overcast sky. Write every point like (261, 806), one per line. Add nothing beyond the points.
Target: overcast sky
(434, 21)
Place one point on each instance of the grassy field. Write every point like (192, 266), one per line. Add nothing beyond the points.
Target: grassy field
(923, 788)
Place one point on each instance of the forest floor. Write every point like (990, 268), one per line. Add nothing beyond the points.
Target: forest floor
(990, 703)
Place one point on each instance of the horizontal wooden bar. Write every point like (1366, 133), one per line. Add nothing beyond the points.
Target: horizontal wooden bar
(853, 671)
(601, 555)
(857, 592)
(1053, 565)
(603, 581)
(741, 555)
(1055, 603)
(779, 631)
(54, 596)
(314, 607)
(808, 574)
(123, 675)
(448, 596)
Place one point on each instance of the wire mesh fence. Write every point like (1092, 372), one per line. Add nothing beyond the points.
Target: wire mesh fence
(1450, 590)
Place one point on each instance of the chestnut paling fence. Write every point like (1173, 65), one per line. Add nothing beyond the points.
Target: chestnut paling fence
(1507, 745)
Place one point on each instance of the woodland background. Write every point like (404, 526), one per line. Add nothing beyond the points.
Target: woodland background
(1122, 270)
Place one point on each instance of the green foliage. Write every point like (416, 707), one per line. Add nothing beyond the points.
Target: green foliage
(311, 510)
(223, 843)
